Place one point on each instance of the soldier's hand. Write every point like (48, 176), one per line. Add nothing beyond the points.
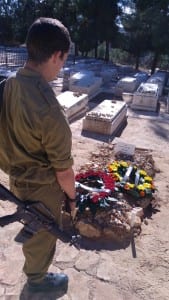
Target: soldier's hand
(70, 204)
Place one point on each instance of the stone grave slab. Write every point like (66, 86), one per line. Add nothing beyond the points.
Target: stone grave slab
(81, 75)
(124, 148)
(146, 97)
(108, 74)
(86, 84)
(127, 84)
(74, 103)
(159, 78)
(106, 118)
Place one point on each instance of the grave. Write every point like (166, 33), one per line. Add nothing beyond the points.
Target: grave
(160, 79)
(74, 104)
(80, 75)
(127, 84)
(108, 75)
(146, 97)
(86, 83)
(106, 118)
(124, 149)
(113, 193)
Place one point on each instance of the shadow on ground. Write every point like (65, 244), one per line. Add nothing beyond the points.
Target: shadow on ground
(103, 244)
(103, 137)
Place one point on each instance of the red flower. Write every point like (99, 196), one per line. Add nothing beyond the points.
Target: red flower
(95, 198)
(108, 181)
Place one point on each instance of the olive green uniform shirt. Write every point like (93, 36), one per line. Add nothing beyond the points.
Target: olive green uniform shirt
(35, 137)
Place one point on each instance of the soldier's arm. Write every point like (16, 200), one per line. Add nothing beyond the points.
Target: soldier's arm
(66, 180)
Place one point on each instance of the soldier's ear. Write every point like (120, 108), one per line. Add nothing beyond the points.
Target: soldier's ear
(56, 56)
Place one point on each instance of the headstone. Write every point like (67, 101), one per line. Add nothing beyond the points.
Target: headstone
(81, 76)
(108, 74)
(74, 103)
(158, 78)
(124, 149)
(146, 97)
(141, 76)
(106, 118)
(126, 84)
(86, 83)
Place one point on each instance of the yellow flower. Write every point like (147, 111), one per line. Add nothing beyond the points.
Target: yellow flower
(142, 172)
(140, 187)
(116, 177)
(148, 179)
(113, 168)
(147, 185)
(132, 185)
(123, 163)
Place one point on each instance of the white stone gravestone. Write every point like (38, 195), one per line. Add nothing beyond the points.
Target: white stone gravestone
(124, 148)
(75, 104)
(127, 84)
(146, 97)
(86, 83)
(106, 118)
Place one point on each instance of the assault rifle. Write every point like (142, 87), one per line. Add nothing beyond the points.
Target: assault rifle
(35, 216)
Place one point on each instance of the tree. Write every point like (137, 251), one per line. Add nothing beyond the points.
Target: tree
(98, 23)
(106, 23)
(136, 35)
(157, 18)
(25, 13)
(6, 16)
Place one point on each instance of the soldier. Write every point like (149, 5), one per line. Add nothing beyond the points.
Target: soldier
(36, 143)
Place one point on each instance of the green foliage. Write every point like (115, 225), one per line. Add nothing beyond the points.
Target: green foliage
(144, 5)
(96, 23)
(6, 33)
(147, 29)
(119, 56)
(93, 25)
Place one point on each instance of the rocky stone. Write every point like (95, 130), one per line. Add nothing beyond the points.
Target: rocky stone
(137, 220)
(12, 277)
(88, 230)
(2, 290)
(66, 254)
(78, 285)
(108, 271)
(106, 291)
(86, 261)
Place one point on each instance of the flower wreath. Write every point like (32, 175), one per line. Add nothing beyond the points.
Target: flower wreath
(97, 180)
(136, 182)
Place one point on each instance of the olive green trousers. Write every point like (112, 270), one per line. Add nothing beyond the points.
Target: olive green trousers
(39, 250)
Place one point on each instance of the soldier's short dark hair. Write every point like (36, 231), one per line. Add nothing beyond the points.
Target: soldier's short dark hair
(46, 36)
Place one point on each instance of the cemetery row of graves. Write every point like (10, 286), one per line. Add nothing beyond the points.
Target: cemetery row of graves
(111, 197)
